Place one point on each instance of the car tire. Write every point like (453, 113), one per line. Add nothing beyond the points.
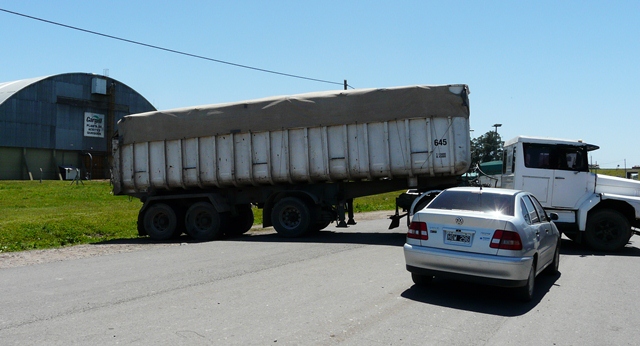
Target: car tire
(421, 280)
(525, 293)
(607, 230)
(554, 266)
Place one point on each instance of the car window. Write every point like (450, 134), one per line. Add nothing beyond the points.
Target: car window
(474, 201)
(525, 212)
(541, 212)
(531, 210)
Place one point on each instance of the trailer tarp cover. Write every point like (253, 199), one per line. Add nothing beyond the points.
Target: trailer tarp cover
(304, 110)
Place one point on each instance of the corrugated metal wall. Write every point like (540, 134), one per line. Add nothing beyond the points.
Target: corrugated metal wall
(50, 114)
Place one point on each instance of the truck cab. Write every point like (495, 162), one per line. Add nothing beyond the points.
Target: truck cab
(601, 211)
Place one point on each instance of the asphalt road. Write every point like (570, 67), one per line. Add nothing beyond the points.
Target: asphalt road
(341, 286)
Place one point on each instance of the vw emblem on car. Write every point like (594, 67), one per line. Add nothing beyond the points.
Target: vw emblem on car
(459, 220)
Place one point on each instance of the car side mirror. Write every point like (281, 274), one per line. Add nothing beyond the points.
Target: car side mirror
(554, 216)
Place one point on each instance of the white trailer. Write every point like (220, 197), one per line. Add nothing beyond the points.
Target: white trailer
(303, 158)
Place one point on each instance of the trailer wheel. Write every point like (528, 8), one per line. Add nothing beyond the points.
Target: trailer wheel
(291, 217)
(241, 223)
(160, 221)
(607, 230)
(203, 222)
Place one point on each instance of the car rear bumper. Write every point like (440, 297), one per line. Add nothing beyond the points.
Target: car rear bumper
(486, 269)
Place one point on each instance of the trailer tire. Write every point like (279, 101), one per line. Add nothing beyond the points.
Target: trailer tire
(291, 217)
(607, 230)
(203, 222)
(160, 221)
(241, 223)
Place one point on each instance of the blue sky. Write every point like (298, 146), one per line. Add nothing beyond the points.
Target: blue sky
(566, 69)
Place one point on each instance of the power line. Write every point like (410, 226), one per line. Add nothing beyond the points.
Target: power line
(172, 50)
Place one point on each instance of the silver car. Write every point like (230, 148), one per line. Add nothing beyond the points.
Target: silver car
(492, 236)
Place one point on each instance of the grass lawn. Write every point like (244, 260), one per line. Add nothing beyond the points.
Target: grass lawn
(52, 214)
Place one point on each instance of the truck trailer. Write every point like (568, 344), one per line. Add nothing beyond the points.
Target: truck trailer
(302, 158)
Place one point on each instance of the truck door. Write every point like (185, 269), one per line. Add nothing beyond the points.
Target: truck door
(537, 176)
(570, 176)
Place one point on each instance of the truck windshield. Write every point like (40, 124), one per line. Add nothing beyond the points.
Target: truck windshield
(474, 201)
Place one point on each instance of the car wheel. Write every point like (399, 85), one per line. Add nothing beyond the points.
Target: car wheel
(525, 293)
(552, 269)
(421, 280)
(607, 230)
(160, 221)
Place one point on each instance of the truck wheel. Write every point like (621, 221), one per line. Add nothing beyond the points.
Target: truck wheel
(241, 223)
(291, 217)
(320, 226)
(203, 222)
(607, 230)
(160, 221)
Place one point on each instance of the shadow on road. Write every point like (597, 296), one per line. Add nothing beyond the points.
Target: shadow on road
(331, 236)
(572, 248)
(327, 236)
(484, 299)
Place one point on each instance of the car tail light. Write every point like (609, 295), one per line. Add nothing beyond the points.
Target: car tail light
(506, 240)
(418, 230)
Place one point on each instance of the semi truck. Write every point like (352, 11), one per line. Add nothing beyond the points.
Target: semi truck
(301, 158)
(600, 211)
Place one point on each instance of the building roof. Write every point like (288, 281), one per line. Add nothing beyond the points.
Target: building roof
(8, 89)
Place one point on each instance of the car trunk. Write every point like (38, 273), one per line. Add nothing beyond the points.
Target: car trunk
(462, 231)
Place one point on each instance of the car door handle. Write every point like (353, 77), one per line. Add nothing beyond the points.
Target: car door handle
(559, 177)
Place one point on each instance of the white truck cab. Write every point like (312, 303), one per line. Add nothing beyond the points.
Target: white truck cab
(601, 211)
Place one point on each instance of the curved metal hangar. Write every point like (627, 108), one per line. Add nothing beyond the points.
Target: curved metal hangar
(55, 127)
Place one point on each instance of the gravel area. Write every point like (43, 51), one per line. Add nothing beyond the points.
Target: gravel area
(25, 258)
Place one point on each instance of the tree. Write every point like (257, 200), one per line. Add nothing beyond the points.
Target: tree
(485, 148)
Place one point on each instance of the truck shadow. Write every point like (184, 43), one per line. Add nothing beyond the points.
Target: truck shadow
(331, 236)
(327, 236)
(484, 299)
(571, 248)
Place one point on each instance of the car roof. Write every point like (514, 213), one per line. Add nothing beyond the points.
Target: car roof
(492, 190)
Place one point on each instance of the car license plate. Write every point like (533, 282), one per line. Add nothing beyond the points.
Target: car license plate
(458, 237)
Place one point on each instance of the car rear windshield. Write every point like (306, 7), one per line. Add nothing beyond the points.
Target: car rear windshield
(474, 201)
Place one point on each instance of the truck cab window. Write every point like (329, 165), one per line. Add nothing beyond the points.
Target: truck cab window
(563, 157)
(538, 156)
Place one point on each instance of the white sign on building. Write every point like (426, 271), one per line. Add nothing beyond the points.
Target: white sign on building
(93, 125)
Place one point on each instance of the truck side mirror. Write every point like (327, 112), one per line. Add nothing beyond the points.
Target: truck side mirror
(554, 216)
